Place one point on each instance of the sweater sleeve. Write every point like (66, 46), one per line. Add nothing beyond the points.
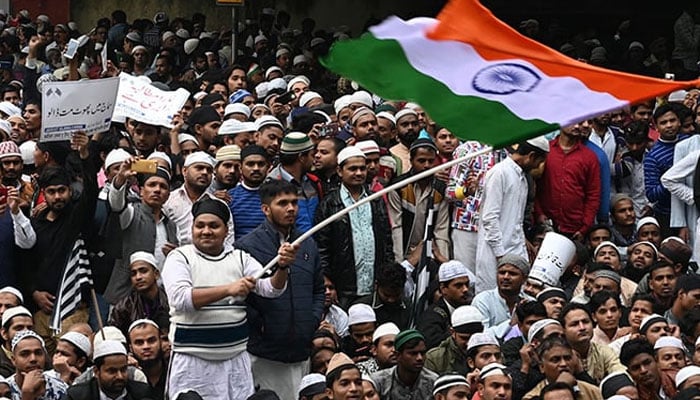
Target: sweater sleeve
(177, 281)
(652, 179)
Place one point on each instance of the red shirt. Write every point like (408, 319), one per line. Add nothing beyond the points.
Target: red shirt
(569, 190)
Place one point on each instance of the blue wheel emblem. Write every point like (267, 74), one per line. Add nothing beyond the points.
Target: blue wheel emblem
(505, 78)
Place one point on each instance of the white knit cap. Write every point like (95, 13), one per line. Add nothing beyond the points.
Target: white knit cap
(116, 156)
(308, 96)
(669, 341)
(111, 333)
(685, 373)
(311, 380)
(388, 328)
(234, 127)
(15, 291)
(186, 137)
(26, 334)
(539, 142)
(363, 98)
(360, 314)
(299, 59)
(388, 116)
(647, 220)
(266, 120)
(143, 256)
(482, 339)
(450, 270)
(297, 79)
(538, 326)
(108, 348)
(159, 155)
(272, 69)
(404, 112)
(10, 109)
(199, 157)
(349, 151)
(239, 108)
(341, 102)
(78, 340)
(368, 146)
(141, 322)
(13, 312)
(464, 315)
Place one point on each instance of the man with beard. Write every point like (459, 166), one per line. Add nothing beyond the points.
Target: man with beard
(662, 282)
(146, 299)
(197, 171)
(11, 167)
(364, 124)
(226, 172)
(659, 160)
(30, 381)
(451, 354)
(326, 162)
(145, 227)
(362, 322)
(569, 191)
(53, 234)
(597, 360)
(269, 134)
(382, 350)
(434, 323)
(354, 247)
(145, 345)
(641, 256)
(110, 380)
(409, 378)
(372, 155)
(628, 171)
(497, 305)
(407, 129)
(245, 200)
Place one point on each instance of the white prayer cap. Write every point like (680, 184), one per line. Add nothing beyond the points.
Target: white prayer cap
(234, 127)
(677, 96)
(538, 326)
(167, 35)
(349, 151)
(482, 339)
(387, 115)
(139, 47)
(239, 108)
(5, 126)
(13, 312)
(363, 98)
(26, 334)
(492, 369)
(261, 89)
(78, 340)
(412, 106)
(467, 319)
(605, 244)
(368, 146)
(388, 328)
(341, 102)
(298, 79)
(190, 45)
(450, 270)
(199, 157)
(618, 397)
(108, 348)
(186, 137)
(159, 155)
(277, 83)
(308, 96)
(260, 38)
(311, 385)
(404, 112)
(649, 320)
(360, 314)
(272, 69)
(116, 156)
(111, 333)
(182, 34)
(281, 52)
(143, 256)
(266, 120)
(299, 59)
(141, 322)
(669, 341)
(539, 142)
(199, 95)
(10, 109)
(647, 220)
(27, 149)
(14, 291)
(685, 373)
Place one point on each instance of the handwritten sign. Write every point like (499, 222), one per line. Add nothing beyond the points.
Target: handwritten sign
(138, 99)
(73, 106)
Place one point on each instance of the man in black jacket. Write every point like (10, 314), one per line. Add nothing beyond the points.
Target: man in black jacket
(353, 247)
(110, 380)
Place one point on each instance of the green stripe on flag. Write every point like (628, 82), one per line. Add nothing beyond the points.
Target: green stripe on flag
(382, 67)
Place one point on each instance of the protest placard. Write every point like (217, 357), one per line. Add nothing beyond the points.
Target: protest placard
(139, 100)
(73, 106)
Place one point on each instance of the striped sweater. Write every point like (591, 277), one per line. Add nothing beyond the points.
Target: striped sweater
(245, 209)
(656, 162)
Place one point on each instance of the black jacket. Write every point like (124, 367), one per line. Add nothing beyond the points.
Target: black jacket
(434, 324)
(90, 391)
(335, 243)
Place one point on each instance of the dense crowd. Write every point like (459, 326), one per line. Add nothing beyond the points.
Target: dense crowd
(561, 267)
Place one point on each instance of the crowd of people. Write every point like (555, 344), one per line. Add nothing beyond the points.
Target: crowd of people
(180, 222)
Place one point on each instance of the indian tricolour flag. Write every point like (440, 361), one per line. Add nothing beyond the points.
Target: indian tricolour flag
(481, 79)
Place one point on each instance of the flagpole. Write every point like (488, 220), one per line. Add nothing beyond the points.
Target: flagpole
(373, 196)
(97, 312)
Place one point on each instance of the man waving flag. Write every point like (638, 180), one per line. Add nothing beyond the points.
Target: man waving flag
(483, 80)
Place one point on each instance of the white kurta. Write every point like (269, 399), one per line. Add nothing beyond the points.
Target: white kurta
(683, 213)
(679, 181)
(501, 225)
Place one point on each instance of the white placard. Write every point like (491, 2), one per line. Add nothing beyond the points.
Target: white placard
(139, 100)
(73, 106)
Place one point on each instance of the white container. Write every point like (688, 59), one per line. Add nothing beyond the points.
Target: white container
(556, 253)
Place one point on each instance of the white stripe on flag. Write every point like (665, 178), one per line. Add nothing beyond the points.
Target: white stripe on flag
(76, 275)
